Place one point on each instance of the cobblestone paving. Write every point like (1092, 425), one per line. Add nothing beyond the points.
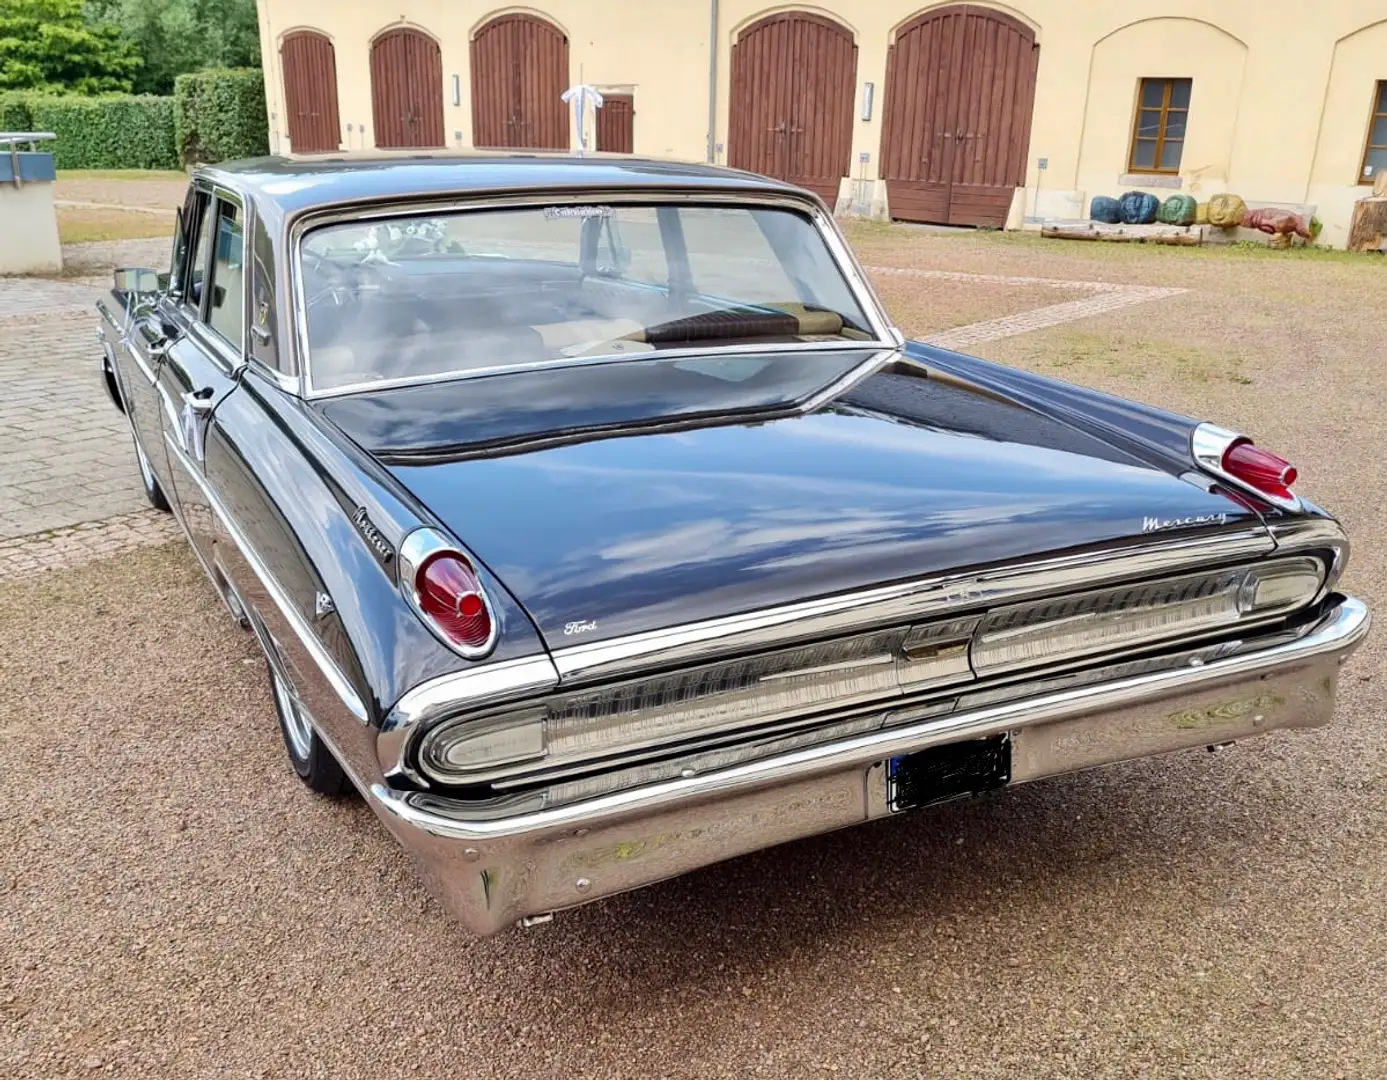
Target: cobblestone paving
(98, 256)
(1052, 315)
(65, 454)
(69, 490)
(75, 544)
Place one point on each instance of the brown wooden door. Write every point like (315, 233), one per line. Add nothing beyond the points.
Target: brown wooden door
(616, 124)
(960, 85)
(406, 89)
(309, 65)
(519, 74)
(794, 79)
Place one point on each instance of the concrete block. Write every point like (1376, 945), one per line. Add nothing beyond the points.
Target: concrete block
(29, 228)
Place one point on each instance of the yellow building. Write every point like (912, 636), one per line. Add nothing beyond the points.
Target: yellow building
(975, 114)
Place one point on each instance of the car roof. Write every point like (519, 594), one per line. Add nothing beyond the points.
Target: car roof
(283, 187)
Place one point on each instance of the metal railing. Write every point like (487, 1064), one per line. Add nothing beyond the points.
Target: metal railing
(13, 139)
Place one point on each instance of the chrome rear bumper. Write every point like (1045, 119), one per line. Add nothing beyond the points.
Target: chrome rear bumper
(490, 873)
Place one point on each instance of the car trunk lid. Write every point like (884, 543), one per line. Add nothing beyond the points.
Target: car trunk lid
(618, 518)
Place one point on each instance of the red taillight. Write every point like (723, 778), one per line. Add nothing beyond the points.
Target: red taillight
(1259, 469)
(451, 596)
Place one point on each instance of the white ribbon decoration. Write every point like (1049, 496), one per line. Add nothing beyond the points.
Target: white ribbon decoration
(583, 95)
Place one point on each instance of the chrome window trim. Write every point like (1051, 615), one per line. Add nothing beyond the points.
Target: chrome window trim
(296, 619)
(1208, 444)
(887, 336)
(288, 383)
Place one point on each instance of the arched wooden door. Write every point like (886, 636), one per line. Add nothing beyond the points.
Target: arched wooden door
(406, 89)
(519, 74)
(960, 85)
(309, 66)
(794, 81)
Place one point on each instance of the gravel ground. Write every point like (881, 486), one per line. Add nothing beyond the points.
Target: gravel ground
(176, 904)
(154, 190)
(923, 306)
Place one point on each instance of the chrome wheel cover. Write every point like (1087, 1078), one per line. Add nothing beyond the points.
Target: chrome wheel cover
(296, 727)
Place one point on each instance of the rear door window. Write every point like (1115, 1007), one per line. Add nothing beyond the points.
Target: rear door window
(226, 297)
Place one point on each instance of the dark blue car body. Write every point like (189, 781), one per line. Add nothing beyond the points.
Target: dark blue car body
(628, 500)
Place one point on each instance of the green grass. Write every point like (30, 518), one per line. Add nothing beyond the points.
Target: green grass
(1072, 354)
(81, 225)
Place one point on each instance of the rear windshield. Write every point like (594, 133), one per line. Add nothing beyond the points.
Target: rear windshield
(432, 295)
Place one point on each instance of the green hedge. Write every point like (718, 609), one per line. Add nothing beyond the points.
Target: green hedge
(219, 115)
(116, 131)
(15, 114)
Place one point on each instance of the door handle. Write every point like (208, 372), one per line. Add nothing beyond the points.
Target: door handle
(199, 401)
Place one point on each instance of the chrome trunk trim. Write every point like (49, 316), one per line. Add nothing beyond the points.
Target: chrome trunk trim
(900, 603)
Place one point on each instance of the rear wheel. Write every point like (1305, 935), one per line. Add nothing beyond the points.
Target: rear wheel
(309, 755)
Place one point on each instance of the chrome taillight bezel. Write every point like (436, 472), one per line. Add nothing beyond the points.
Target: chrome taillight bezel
(418, 548)
(1209, 443)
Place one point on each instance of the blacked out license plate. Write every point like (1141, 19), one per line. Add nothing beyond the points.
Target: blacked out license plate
(952, 771)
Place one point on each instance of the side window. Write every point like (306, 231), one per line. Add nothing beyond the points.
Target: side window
(225, 308)
(201, 230)
(263, 345)
(178, 261)
(1158, 130)
(1375, 149)
(729, 255)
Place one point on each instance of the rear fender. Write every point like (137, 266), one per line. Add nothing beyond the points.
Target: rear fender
(1154, 435)
(1157, 436)
(297, 495)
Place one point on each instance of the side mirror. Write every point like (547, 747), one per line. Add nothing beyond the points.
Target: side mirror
(138, 281)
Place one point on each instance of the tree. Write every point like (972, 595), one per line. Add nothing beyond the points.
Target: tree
(177, 36)
(46, 45)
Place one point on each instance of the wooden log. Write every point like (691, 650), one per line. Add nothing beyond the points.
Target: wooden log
(1368, 229)
(1380, 184)
(1190, 239)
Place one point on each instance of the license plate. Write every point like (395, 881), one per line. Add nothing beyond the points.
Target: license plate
(952, 771)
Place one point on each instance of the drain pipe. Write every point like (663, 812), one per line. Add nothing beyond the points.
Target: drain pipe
(712, 76)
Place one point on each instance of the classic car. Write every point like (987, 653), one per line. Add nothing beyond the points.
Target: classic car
(597, 524)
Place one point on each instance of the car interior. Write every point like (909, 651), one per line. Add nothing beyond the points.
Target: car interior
(435, 311)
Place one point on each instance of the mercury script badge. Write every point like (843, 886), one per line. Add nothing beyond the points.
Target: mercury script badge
(1154, 524)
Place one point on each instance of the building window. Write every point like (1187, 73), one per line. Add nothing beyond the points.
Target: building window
(1375, 149)
(1158, 133)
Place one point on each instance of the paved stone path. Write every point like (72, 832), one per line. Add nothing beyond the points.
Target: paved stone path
(65, 454)
(69, 490)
